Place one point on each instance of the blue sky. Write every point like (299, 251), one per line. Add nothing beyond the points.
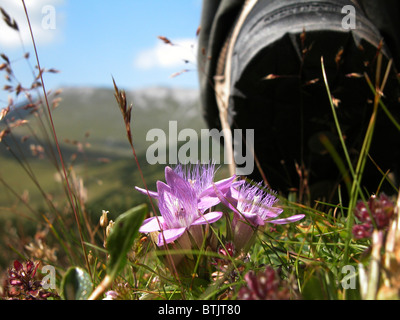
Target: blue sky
(89, 41)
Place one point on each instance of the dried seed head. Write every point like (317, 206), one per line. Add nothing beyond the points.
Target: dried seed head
(178, 73)
(126, 111)
(165, 40)
(4, 112)
(338, 56)
(3, 133)
(5, 58)
(7, 19)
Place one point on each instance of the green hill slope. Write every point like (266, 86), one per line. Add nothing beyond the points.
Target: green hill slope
(91, 131)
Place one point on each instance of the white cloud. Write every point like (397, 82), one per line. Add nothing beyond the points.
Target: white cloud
(45, 18)
(164, 55)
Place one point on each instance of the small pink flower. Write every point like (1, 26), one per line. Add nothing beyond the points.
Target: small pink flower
(23, 285)
(264, 285)
(256, 206)
(201, 180)
(178, 203)
(378, 213)
(253, 207)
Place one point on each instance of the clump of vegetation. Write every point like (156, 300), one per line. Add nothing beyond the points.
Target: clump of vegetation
(22, 283)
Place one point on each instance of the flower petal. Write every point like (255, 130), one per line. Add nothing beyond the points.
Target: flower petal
(208, 218)
(170, 235)
(252, 218)
(227, 199)
(179, 186)
(18, 265)
(223, 186)
(172, 178)
(233, 193)
(207, 202)
(166, 203)
(151, 224)
(271, 212)
(177, 203)
(291, 219)
(213, 194)
(152, 194)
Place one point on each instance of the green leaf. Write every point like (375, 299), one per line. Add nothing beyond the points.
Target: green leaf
(313, 289)
(320, 285)
(121, 238)
(76, 284)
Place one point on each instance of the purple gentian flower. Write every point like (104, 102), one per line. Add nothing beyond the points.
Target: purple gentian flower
(179, 208)
(200, 178)
(256, 206)
(253, 207)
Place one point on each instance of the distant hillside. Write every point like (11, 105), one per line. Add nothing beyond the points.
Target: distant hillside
(91, 116)
(95, 111)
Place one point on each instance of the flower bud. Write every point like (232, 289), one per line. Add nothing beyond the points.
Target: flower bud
(104, 219)
(109, 227)
(90, 256)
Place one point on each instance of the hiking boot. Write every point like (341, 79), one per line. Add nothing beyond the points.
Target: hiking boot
(267, 75)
